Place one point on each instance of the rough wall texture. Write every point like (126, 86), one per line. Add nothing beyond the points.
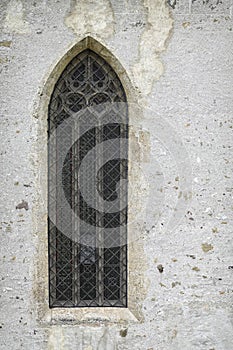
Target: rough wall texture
(179, 60)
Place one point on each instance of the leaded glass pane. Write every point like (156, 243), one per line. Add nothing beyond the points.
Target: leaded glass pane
(87, 215)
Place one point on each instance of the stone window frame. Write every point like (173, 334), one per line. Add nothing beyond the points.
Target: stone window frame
(136, 260)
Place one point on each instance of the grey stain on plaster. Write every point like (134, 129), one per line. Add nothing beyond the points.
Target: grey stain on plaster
(172, 3)
(160, 268)
(123, 332)
(22, 205)
(88, 17)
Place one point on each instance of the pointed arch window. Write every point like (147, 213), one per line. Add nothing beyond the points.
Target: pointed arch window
(87, 194)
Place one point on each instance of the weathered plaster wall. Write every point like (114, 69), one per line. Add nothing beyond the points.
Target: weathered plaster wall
(179, 61)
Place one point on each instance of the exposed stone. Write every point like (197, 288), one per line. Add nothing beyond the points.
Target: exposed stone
(93, 18)
(123, 332)
(206, 247)
(5, 43)
(153, 40)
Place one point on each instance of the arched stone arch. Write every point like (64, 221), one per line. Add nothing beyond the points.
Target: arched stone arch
(86, 43)
(136, 287)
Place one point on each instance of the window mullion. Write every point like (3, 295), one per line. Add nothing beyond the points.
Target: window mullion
(100, 230)
(120, 214)
(75, 208)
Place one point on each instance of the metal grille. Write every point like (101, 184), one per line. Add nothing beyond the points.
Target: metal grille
(87, 213)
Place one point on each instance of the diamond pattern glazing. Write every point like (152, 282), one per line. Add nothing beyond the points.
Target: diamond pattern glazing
(88, 121)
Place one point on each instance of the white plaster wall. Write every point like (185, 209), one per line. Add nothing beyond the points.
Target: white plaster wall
(182, 72)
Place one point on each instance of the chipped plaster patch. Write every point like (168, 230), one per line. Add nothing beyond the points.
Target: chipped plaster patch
(149, 67)
(91, 17)
(5, 43)
(56, 338)
(206, 247)
(14, 21)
